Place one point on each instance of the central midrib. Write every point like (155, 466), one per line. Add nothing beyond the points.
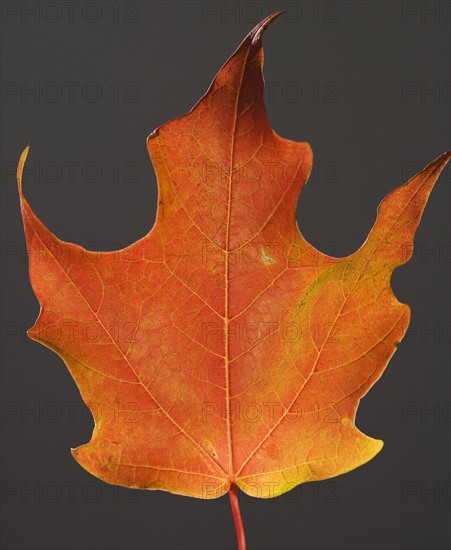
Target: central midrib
(226, 274)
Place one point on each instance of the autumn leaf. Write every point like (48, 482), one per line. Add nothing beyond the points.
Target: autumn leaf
(222, 349)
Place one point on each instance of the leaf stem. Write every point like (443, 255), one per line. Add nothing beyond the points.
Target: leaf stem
(234, 503)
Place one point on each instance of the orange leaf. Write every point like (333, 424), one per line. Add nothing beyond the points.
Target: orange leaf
(222, 348)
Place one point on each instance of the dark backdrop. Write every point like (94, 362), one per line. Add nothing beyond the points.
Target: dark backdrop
(367, 84)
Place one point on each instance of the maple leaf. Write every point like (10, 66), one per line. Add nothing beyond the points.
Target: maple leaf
(222, 349)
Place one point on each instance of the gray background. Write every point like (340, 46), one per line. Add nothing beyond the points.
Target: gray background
(365, 144)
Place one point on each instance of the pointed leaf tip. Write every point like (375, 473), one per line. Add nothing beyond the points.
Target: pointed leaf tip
(257, 32)
(22, 160)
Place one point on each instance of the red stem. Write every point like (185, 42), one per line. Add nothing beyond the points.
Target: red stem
(233, 495)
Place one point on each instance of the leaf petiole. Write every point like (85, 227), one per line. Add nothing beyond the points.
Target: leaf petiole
(234, 503)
